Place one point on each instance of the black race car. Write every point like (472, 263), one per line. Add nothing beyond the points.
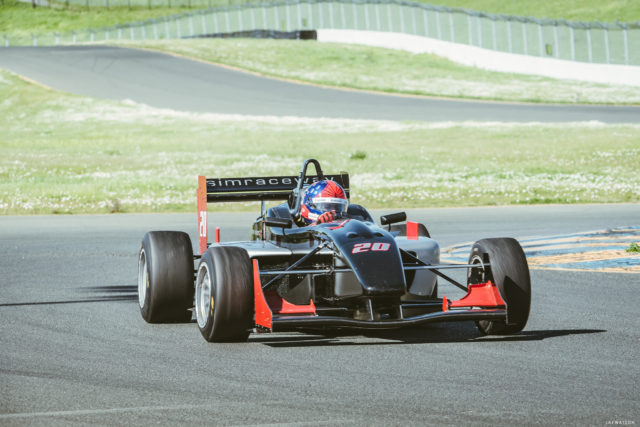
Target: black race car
(349, 273)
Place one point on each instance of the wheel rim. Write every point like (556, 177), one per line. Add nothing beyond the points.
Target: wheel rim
(204, 298)
(143, 278)
(476, 274)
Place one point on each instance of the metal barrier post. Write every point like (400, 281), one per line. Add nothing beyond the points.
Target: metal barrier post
(573, 43)
(540, 43)
(626, 46)
(389, 17)
(300, 15)
(606, 45)
(378, 22)
(354, 11)
(589, 44)
(555, 39)
(493, 34)
(264, 18)
(204, 22)
(366, 17)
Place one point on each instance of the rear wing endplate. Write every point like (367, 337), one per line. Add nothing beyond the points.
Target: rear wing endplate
(216, 190)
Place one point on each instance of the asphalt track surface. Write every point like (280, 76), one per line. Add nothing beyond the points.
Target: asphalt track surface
(75, 350)
(166, 81)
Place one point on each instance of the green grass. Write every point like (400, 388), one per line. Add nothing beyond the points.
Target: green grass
(388, 70)
(20, 19)
(572, 10)
(69, 154)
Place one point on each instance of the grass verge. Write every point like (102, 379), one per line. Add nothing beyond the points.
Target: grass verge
(69, 154)
(388, 70)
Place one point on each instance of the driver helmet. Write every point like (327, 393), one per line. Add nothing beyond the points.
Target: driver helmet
(320, 197)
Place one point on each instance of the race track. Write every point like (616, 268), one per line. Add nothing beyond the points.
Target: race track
(75, 350)
(166, 81)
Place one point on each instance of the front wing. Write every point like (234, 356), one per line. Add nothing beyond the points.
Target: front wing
(274, 314)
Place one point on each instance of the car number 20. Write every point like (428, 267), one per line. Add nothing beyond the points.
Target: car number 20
(366, 247)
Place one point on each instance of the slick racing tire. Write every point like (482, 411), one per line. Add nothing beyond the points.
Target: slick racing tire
(510, 273)
(165, 277)
(224, 294)
(402, 228)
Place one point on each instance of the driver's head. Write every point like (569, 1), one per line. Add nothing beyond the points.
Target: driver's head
(320, 197)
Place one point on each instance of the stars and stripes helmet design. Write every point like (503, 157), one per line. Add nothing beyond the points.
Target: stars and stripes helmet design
(320, 197)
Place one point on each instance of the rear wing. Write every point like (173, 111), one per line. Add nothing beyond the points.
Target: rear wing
(216, 190)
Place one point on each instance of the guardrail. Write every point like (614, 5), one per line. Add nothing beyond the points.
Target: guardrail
(594, 42)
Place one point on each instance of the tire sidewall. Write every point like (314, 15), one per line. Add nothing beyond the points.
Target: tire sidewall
(229, 270)
(209, 327)
(145, 309)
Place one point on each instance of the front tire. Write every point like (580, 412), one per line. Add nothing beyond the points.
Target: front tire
(510, 273)
(224, 294)
(165, 277)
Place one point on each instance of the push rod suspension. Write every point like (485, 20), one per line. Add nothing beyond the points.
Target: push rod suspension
(435, 270)
(294, 265)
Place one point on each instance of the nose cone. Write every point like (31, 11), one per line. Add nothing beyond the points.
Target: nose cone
(373, 255)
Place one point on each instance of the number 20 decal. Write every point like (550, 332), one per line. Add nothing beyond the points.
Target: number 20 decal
(366, 247)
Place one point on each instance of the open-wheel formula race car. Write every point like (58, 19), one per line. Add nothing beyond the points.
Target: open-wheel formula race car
(348, 273)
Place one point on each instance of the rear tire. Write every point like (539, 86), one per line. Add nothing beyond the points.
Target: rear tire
(165, 277)
(510, 273)
(224, 294)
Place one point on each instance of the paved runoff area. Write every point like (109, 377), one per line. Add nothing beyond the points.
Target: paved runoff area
(601, 250)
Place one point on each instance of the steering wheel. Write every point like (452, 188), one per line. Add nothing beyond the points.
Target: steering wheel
(294, 210)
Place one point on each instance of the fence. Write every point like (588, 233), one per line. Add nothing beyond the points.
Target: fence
(616, 43)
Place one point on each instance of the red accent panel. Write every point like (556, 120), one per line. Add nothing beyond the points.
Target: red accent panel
(445, 303)
(217, 234)
(202, 213)
(481, 295)
(412, 230)
(280, 305)
(262, 311)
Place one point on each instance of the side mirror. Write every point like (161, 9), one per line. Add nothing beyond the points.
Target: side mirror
(393, 218)
(278, 222)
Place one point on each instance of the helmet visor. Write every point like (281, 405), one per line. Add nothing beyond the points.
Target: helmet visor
(328, 204)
